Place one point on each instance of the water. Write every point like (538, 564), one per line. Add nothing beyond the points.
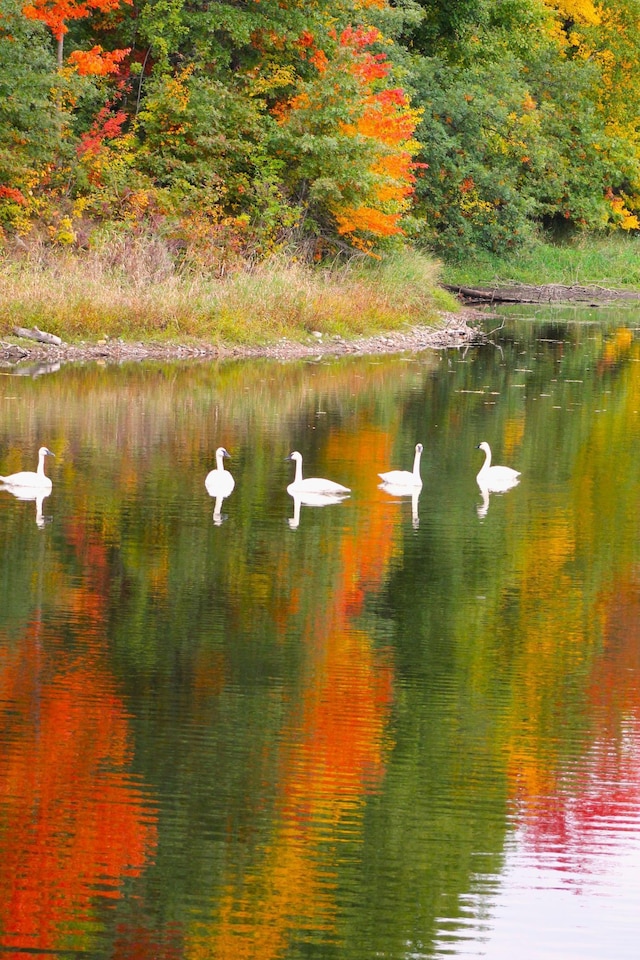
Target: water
(373, 729)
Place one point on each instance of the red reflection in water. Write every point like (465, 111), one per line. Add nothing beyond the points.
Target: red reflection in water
(597, 796)
(73, 824)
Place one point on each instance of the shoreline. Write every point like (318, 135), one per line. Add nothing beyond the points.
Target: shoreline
(457, 330)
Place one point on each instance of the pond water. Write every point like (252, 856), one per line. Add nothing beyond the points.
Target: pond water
(383, 727)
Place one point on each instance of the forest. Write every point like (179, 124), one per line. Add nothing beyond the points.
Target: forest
(236, 130)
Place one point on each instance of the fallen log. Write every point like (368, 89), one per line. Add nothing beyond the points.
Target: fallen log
(546, 293)
(35, 334)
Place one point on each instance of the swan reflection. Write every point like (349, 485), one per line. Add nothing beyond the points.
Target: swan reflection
(312, 500)
(402, 491)
(494, 487)
(36, 493)
(218, 516)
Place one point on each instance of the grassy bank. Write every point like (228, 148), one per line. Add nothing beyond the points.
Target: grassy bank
(608, 262)
(137, 293)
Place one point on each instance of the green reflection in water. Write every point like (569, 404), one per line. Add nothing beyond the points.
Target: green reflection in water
(333, 728)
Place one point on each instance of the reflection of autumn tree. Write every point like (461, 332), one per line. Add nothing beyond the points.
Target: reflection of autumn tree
(603, 786)
(333, 746)
(74, 826)
(572, 722)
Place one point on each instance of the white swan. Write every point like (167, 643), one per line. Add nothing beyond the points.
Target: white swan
(219, 482)
(312, 484)
(29, 478)
(405, 478)
(495, 479)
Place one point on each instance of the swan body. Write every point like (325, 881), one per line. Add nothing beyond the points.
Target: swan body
(219, 482)
(405, 478)
(312, 485)
(495, 479)
(35, 479)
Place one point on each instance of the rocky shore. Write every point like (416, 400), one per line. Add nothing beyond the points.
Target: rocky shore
(457, 330)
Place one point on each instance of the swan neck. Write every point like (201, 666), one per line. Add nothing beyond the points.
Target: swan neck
(298, 476)
(40, 471)
(487, 459)
(416, 463)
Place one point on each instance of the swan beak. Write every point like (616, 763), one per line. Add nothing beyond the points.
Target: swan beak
(50, 453)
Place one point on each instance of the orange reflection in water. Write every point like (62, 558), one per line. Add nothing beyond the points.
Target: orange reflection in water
(73, 824)
(332, 754)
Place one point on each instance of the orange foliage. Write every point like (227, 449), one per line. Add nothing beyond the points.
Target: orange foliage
(387, 118)
(368, 220)
(96, 62)
(12, 194)
(56, 13)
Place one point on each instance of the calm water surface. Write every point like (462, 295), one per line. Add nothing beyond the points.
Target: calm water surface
(378, 728)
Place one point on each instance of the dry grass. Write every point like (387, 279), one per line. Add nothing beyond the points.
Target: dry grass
(134, 290)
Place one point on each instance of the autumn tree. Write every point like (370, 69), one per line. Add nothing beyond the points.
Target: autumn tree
(608, 33)
(346, 136)
(514, 135)
(29, 122)
(57, 13)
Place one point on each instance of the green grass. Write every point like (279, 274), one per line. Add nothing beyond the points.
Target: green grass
(612, 262)
(140, 294)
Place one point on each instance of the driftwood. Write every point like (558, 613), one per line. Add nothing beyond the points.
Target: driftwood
(35, 334)
(547, 293)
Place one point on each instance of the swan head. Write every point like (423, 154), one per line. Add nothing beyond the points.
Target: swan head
(221, 452)
(484, 446)
(297, 457)
(45, 452)
(419, 448)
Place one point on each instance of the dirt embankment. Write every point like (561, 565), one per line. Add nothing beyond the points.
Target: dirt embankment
(545, 293)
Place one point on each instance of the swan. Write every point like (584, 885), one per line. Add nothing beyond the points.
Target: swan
(29, 478)
(312, 484)
(495, 479)
(219, 482)
(405, 478)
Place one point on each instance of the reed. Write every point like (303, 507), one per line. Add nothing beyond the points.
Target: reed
(138, 292)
